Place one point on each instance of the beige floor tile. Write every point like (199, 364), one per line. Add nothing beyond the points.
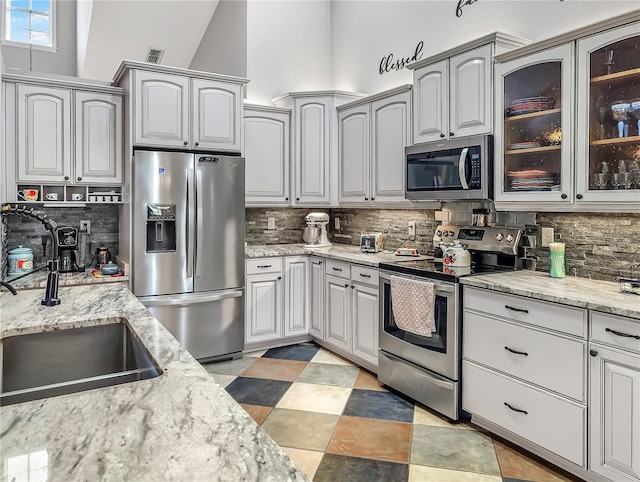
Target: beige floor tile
(423, 416)
(325, 356)
(420, 473)
(315, 398)
(255, 354)
(306, 460)
(222, 380)
(257, 412)
(367, 381)
(299, 429)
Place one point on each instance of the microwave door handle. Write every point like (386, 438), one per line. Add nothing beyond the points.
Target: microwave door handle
(462, 168)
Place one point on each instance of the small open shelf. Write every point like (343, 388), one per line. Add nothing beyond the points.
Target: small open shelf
(616, 140)
(624, 76)
(533, 150)
(532, 115)
(64, 194)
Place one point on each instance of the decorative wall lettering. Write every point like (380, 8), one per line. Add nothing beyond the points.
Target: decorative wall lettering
(463, 3)
(387, 64)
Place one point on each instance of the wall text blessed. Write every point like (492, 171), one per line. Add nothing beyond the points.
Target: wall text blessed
(387, 64)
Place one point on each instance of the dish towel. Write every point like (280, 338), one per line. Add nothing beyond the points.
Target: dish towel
(413, 305)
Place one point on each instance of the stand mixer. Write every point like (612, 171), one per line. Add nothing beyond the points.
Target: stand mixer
(315, 234)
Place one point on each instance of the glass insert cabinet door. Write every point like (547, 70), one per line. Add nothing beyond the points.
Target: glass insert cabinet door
(608, 144)
(533, 136)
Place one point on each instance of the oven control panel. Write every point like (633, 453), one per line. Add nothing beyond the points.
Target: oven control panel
(486, 238)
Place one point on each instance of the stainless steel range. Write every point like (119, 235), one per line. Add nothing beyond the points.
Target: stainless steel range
(423, 365)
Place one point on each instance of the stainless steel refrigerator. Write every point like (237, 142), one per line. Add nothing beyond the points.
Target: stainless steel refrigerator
(188, 247)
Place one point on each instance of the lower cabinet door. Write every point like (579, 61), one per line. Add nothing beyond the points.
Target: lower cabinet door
(365, 316)
(614, 407)
(296, 295)
(263, 320)
(337, 312)
(316, 327)
(550, 421)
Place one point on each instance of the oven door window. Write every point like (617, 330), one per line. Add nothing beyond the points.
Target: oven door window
(438, 339)
(448, 169)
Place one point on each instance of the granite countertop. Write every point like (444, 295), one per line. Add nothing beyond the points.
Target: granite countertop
(341, 252)
(179, 426)
(596, 295)
(39, 280)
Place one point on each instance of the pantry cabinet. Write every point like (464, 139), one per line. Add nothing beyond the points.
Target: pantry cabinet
(266, 152)
(372, 135)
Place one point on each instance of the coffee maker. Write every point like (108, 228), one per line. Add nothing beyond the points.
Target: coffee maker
(67, 237)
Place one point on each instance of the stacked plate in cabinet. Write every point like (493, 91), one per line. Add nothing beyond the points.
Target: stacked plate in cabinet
(533, 180)
(528, 105)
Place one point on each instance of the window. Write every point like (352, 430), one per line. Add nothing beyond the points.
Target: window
(30, 22)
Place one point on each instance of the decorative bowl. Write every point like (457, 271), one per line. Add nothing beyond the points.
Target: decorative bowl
(110, 268)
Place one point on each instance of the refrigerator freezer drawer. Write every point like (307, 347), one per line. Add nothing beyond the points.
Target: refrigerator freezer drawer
(209, 325)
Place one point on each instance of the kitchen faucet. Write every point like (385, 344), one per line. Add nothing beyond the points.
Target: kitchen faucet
(53, 265)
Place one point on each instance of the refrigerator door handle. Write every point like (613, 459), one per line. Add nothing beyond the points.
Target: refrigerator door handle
(191, 224)
(200, 215)
(190, 298)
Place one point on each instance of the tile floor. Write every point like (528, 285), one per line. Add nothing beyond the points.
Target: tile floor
(339, 424)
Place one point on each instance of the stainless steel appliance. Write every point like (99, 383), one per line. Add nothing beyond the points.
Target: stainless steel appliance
(188, 247)
(454, 169)
(427, 368)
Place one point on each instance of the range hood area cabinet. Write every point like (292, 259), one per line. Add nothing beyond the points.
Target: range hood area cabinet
(566, 152)
(181, 108)
(314, 166)
(266, 149)
(61, 132)
(372, 135)
(452, 91)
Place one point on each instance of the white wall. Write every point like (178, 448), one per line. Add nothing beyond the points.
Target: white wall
(288, 47)
(362, 32)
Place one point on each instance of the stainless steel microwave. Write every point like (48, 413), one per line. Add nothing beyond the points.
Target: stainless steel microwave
(455, 169)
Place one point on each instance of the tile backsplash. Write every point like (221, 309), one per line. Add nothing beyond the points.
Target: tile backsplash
(289, 223)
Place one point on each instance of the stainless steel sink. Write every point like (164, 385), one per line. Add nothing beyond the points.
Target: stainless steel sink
(48, 364)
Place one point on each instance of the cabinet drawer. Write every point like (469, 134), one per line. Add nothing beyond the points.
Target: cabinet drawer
(611, 329)
(550, 421)
(557, 317)
(364, 275)
(548, 360)
(336, 268)
(264, 265)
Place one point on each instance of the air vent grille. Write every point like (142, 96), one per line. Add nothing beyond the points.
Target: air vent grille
(154, 56)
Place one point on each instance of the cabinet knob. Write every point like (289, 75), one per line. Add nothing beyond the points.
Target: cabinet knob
(66, 178)
(373, 199)
(286, 199)
(451, 134)
(297, 199)
(578, 196)
(593, 353)
(366, 199)
(320, 262)
(563, 196)
(353, 286)
(279, 278)
(442, 136)
(197, 144)
(185, 143)
(79, 178)
(346, 285)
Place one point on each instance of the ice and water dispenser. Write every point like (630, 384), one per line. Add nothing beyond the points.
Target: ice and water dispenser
(161, 227)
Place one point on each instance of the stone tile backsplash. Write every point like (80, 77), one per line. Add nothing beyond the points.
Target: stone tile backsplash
(289, 224)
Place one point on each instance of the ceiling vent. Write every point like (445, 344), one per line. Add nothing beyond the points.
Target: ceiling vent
(154, 56)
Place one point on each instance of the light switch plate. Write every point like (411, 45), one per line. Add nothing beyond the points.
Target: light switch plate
(411, 230)
(547, 236)
(336, 223)
(271, 223)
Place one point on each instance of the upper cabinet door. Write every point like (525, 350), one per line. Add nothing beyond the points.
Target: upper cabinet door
(266, 152)
(431, 102)
(161, 109)
(312, 125)
(98, 138)
(216, 113)
(391, 133)
(353, 135)
(608, 136)
(44, 133)
(471, 104)
(534, 132)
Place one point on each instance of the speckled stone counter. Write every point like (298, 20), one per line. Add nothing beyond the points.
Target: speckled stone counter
(178, 426)
(581, 292)
(341, 252)
(39, 280)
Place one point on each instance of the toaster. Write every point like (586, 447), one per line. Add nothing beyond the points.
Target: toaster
(371, 243)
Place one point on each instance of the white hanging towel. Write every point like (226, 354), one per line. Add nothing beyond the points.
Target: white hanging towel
(413, 305)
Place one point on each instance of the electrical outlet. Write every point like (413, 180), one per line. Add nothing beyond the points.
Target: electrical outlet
(85, 226)
(411, 230)
(547, 236)
(336, 223)
(271, 223)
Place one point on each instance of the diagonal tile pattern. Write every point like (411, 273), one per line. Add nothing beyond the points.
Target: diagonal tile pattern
(338, 423)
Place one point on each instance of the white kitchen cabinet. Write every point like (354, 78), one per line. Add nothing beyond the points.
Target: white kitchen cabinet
(264, 308)
(98, 138)
(614, 403)
(338, 312)
(43, 121)
(365, 313)
(431, 102)
(372, 135)
(181, 108)
(296, 295)
(317, 318)
(266, 152)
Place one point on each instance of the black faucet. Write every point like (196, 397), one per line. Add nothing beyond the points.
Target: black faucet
(53, 265)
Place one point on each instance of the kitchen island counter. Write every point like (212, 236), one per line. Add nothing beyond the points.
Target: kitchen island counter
(595, 295)
(180, 425)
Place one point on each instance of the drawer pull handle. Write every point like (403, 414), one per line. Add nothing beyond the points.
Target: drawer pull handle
(365, 275)
(516, 351)
(264, 266)
(516, 409)
(519, 310)
(619, 333)
(336, 269)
